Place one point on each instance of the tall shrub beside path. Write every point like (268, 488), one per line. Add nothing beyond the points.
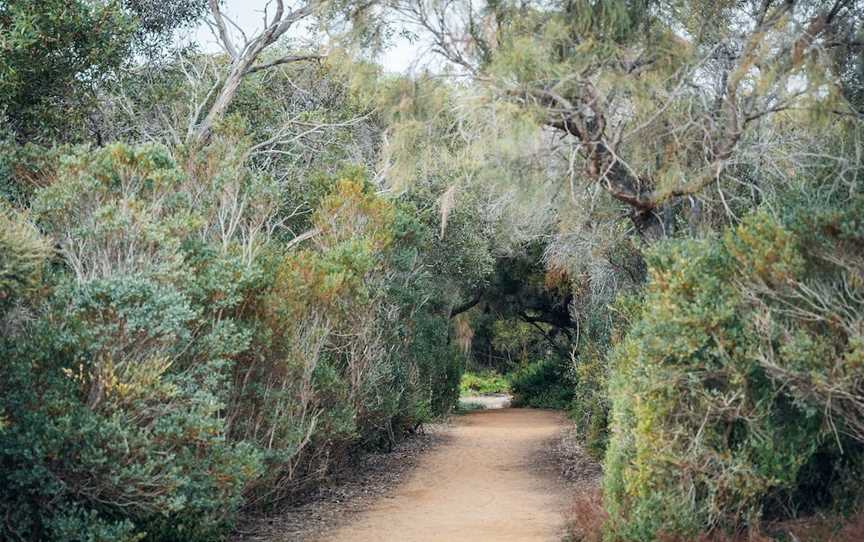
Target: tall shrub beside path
(736, 393)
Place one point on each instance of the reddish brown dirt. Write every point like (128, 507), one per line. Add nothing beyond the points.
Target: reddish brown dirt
(489, 482)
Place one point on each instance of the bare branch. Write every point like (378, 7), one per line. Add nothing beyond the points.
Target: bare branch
(219, 21)
(243, 62)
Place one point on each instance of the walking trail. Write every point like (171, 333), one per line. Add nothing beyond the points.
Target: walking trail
(488, 482)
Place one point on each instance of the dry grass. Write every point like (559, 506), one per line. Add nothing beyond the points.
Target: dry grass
(823, 529)
(586, 516)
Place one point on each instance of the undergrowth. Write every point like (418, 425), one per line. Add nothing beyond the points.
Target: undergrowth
(474, 383)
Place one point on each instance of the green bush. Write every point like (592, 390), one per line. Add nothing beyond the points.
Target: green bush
(721, 408)
(23, 255)
(589, 407)
(482, 383)
(172, 363)
(542, 384)
(103, 434)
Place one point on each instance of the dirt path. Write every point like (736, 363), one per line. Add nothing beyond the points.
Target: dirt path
(487, 483)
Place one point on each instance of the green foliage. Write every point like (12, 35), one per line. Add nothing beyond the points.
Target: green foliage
(192, 330)
(178, 365)
(115, 395)
(23, 254)
(483, 383)
(104, 433)
(601, 329)
(718, 408)
(156, 21)
(542, 384)
(24, 169)
(55, 56)
(590, 406)
(51, 53)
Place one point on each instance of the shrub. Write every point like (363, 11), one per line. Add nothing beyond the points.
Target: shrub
(719, 390)
(589, 407)
(343, 358)
(115, 390)
(23, 255)
(104, 435)
(482, 383)
(179, 364)
(542, 384)
(601, 328)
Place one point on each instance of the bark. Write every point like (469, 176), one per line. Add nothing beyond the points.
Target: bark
(243, 61)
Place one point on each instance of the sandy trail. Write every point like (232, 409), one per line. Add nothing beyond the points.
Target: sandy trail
(483, 484)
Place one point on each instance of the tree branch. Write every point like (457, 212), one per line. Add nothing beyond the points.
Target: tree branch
(468, 305)
(283, 60)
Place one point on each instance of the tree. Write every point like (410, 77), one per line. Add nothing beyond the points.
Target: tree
(654, 98)
(52, 53)
(55, 54)
(246, 58)
(156, 21)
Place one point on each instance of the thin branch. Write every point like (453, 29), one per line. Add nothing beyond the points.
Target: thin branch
(284, 60)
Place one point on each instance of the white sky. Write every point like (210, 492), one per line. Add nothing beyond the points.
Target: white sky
(249, 15)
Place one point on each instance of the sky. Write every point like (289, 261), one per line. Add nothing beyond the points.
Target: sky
(249, 14)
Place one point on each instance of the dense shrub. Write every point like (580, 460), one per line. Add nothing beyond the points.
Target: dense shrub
(603, 329)
(486, 382)
(542, 384)
(736, 393)
(173, 364)
(589, 407)
(23, 254)
(103, 429)
(319, 377)
(114, 390)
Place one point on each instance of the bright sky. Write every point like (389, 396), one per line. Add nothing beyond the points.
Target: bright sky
(249, 15)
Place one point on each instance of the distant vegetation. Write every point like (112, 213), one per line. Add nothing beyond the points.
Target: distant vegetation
(224, 275)
(541, 385)
(483, 383)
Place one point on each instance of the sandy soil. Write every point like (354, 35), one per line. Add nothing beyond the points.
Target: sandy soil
(488, 482)
(495, 400)
(347, 492)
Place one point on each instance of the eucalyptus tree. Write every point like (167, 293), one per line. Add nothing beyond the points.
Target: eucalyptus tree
(246, 52)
